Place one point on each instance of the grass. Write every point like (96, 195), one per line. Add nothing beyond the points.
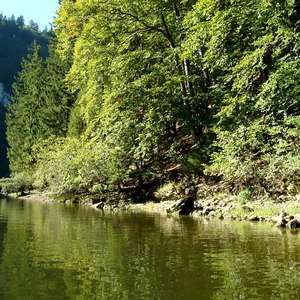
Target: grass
(267, 208)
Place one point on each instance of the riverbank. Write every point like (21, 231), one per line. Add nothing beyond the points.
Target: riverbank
(37, 196)
(283, 213)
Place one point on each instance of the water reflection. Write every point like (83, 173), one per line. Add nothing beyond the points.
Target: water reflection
(56, 252)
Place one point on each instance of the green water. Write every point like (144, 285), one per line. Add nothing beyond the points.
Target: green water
(55, 252)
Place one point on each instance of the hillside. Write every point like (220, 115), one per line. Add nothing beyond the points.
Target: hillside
(136, 94)
(15, 40)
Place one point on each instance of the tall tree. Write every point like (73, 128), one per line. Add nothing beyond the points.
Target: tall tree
(15, 39)
(126, 60)
(23, 126)
(39, 109)
(254, 67)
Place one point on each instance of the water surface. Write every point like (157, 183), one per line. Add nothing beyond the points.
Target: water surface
(51, 251)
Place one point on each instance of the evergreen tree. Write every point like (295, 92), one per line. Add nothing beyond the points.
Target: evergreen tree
(39, 109)
(15, 39)
(3, 143)
(57, 100)
(23, 124)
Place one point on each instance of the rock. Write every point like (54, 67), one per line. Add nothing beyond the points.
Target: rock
(253, 218)
(207, 211)
(247, 208)
(183, 207)
(283, 215)
(198, 206)
(212, 214)
(99, 205)
(221, 217)
(281, 223)
(293, 224)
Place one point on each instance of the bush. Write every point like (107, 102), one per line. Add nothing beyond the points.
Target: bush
(19, 184)
(265, 158)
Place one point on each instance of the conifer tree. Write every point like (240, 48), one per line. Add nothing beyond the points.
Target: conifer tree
(39, 109)
(23, 126)
(57, 100)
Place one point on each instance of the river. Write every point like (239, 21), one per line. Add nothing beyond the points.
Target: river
(51, 251)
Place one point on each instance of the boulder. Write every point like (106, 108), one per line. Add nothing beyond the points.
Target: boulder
(198, 206)
(247, 208)
(281, 222)
(253, 218)
(183, 207)
(293, 224)
(207, 211)
(99, 205)
(212, 214)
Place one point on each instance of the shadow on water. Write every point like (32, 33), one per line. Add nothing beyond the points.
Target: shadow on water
(56, 252)
(3, 224)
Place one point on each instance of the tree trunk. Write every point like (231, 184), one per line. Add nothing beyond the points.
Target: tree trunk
(295, 16)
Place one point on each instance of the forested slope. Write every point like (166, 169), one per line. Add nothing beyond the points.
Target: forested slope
(15, 39)
(150, 91)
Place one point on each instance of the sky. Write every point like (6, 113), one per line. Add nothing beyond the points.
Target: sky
(40, 11)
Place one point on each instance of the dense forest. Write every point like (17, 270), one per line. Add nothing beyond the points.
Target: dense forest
(15, 38)
(138, 93)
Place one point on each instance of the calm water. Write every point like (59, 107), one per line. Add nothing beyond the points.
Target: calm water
(56, 252)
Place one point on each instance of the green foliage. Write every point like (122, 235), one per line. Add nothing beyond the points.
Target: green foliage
(39, 109)
(18, 184)
(3, 143)
(138, 99)
(15, 39)
(245, 195)
(133, 88)
(255, 70)
(23, 126)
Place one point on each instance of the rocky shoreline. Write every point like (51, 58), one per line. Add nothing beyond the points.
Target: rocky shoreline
(284, 213)
(223, 211)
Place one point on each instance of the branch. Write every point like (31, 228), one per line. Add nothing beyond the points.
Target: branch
(147, 26)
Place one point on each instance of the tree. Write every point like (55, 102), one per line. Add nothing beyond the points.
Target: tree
(3, 143)
(127, 67)
(23, 126)
(255, 87)
(148, 87)
(33, 25)
(15, 39)
(57, 99)
(20, 22)
(40, 107)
